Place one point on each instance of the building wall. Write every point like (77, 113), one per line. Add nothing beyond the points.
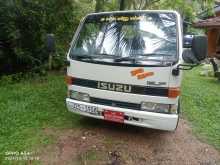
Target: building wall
(213, 38)
(213, 35)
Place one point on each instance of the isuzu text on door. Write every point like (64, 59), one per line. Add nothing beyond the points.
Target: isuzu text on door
(126, 67)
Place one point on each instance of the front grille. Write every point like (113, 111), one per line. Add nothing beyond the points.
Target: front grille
(114, 103)
(135, 89)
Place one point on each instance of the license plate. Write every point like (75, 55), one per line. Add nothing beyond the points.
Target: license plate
(85, 108)
(114, 116)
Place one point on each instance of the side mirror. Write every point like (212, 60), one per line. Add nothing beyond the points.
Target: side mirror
(187, 41)
(198, 51)
(50, 43)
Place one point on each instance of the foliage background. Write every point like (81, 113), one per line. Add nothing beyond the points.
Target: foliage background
(25, 23)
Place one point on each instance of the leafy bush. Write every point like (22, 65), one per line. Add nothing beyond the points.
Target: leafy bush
(24, 25)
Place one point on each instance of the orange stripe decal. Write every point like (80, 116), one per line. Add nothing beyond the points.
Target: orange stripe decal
(144, 75)
(137, 71)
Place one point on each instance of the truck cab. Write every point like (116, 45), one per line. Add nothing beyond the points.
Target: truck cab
(126, 67)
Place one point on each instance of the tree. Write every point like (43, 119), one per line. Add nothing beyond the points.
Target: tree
(99, 5)
(122, 5)
(141, 4)
(23, 28)
(188, 9)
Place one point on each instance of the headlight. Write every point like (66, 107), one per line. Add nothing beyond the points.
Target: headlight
(159, 108)
(79, 96)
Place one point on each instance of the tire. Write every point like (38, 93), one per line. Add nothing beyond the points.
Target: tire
(178, 112)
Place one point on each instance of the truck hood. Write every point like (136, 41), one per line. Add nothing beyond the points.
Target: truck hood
(140, 76)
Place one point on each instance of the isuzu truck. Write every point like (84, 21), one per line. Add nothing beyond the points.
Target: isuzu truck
(126, 67)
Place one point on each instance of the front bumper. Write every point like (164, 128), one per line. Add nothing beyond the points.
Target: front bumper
(159, 121)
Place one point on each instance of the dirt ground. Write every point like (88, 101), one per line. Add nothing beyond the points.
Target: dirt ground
(114, 144)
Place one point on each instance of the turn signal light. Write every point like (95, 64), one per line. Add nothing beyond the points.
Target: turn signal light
(69, 80)
(173, 92)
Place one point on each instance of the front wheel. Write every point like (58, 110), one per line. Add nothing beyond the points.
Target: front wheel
(178, 113)
(178, 107)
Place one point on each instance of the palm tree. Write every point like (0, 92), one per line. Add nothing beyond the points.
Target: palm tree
(99, 5)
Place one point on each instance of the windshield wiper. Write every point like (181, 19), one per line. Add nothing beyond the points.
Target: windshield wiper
(125, 59)
(83, 57)
(100, 55)
(163, 55)
(134, 59)
(152, 54)
(105, 55)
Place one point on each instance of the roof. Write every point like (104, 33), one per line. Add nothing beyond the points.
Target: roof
(208, 23)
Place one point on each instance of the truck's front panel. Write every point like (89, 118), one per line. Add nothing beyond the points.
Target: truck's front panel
(121, 68)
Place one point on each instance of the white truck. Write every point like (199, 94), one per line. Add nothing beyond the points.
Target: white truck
(126, 67)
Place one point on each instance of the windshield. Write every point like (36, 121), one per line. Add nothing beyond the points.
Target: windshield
(127, 35)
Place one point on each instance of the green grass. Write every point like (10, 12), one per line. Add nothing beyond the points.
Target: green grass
(30, 106)
(201, 105)
(27, 108)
